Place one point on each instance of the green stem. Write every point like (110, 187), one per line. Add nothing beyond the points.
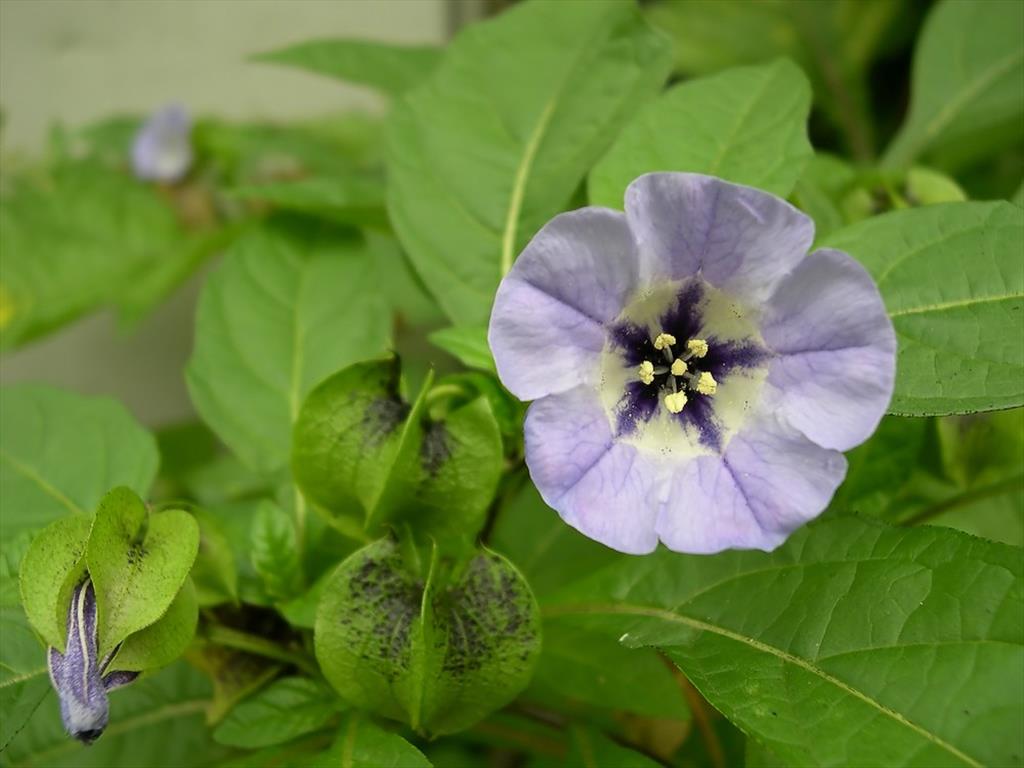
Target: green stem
(965, 498)
(218, 634)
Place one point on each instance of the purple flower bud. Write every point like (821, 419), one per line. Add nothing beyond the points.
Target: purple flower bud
(162, 150)
(78, 673)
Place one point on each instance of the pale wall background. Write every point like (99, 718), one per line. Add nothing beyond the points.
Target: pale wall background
(79, 60)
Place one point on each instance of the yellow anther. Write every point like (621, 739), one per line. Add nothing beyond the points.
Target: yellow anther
(646, 372)
(664, 340)
(678, 368)
(706, 384)
(675, 402)
(697, 347)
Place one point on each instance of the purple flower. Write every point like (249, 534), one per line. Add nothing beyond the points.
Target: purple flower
(162, 150)
(79, 676)
(696, 374)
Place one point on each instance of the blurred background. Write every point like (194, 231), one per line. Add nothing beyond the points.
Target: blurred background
(74, 62)
(65, 64)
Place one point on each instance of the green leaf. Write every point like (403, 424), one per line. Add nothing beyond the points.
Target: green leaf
(578, 666)
(590, 748)
(951, 279)
(879, 468)
(155, 722)
(746, 125)
(391, 69)
(439, 656)
(820, 191)
(356, 199)
(60, 452)
(1018, 196)
(164, 641)
(214, 573)
(466, 343)
(361, 744)
(284, 710)
(288, 306)
(138, 562)
(51, 569)
(24, 681)
(549, 553)
(967, 90)
(275, 551)
(475, 169)
(834, 42)
(852, 644)
(73, 241)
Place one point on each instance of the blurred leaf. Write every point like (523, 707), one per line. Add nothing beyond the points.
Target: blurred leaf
(50, 570)
(880, 467)
(951, 279)
(235, 519)
(284, 710)
(213, 572)
(24, 681)
(165, 640)
(259, 152)
(452, 649)
(833, 41)
(75, 241)
(820, 190)
(275, 552)
(1018, 197)
(475, 168)
(968, 85)
(389, 68)
(61, 452)
(234, 675)
(548, 551)
(155, 722)
(852, 644)
(746, 125)
(591, 748)
(361, 744)
(138, 562)
(356, 199)
(578, 666)
(468, 344)
(286, 308)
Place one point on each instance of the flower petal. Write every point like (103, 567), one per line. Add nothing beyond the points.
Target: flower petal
(742, 240)
(770, 481)
(604, 489)
(834, 375)
(547, 325)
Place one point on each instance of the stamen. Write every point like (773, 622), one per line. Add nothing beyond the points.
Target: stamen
(664, 340)
(675, 402)
(706, 384)
(696, 347)
(678, 367)
(646, 372)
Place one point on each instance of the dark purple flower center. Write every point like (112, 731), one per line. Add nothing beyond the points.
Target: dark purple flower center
(684, 320)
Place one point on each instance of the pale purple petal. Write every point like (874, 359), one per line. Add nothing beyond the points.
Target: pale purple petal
(119, 679)
(547, 325)
(162, 150)
(742, 240)
(770, 481)
(834, 375)
(604, 489)
(75, 674)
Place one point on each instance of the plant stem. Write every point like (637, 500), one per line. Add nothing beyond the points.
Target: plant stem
(218, 634)
(965, 498)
